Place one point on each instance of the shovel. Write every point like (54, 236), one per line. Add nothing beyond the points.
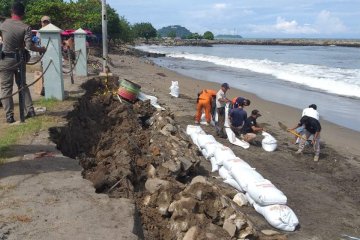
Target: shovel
(285, 128)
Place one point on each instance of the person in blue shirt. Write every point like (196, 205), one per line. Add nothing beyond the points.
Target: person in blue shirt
(237, 118)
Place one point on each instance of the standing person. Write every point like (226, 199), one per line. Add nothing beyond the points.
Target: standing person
(45, 20)
(312, 127)
(237, 117)
(16, 39)
(251, 128)
(310, 111)
(221, 101)
(204, 101)
(236, 101)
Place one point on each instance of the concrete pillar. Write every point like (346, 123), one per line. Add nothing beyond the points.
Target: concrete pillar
(80, 48)
(53, 77)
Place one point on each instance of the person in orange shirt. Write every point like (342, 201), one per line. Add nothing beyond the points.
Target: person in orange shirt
(205, 97)
(236, 101)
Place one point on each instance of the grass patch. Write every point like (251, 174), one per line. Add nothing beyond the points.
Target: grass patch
(50, 103)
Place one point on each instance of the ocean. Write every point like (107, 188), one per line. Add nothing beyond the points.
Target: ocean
(296, 76)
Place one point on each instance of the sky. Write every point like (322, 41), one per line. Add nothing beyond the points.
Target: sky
(249, 18)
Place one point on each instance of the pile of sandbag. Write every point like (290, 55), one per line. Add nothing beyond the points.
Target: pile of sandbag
(260, 192)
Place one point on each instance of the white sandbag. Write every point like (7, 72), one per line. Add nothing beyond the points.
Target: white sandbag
(265, 193)
(174, 89)
(203, 120)
(203, 140)
(204, 153)
(211, 148)
(235, 162)
(194, 137)
(227, 120)
(223, 153)
(245, 176)
(214, 166)
(224, 173)
(153, 100)
(279, 216)
(193, 128)
(234, 140)
(269, 143)
(250, 200)
(234, 184)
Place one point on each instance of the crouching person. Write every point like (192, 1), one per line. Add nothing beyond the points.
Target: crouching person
(251, 128)
(312, 127)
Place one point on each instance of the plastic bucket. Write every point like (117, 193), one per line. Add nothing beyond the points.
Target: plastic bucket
(128, 90)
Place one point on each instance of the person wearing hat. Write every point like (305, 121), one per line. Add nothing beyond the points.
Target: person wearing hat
(312, 127)
(221, 101)
(45, 20)
(251, 128)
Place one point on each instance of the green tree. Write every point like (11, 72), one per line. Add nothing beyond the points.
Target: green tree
(144, 30)
(208, 35)
(171, 34)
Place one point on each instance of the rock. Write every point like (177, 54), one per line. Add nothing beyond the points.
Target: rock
(269, 232)
(170, 120)
(182, 207)
(146, 200)
(240, 199)
(155, 151)
(246, 232)
(164, 132)
(154, 184)
(192, 233)
(151, 171)
(230, 227)
(199, 179)
(185, 164)
(170, 128)
(172, 166)
(240, 223)
(173, 152)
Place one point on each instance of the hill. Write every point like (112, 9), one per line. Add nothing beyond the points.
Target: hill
(180, 31)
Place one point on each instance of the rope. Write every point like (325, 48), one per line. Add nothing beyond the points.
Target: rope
(76, 61)
(33, 63)
(28, 85)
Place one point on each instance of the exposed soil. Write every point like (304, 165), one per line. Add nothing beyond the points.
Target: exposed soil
(122, 146)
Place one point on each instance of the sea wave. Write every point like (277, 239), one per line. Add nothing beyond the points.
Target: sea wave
(345, 82)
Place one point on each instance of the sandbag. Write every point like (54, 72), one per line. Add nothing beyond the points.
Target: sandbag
(249, 198)
(214, 166)
(174, 89)
(279, 216)
(265, 193)
(269, 143)
(227, 120)
(193, 128)
(224, 173)
(203, 140)
(234, 140)
(235, 162)
(211, 148)
(245, 176)
(194, 137)
(223, 153)
(204, 153)
(234, 184)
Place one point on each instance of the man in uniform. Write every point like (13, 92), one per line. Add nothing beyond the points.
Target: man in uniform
(16, 37)
(204, 101)
(251, 128)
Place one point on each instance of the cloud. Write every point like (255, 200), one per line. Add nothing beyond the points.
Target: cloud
(329, 24)
(284, 26)
(220, 6)
(324, 23)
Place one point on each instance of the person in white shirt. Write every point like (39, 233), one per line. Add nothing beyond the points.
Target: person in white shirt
(310, 111)
(221, 101)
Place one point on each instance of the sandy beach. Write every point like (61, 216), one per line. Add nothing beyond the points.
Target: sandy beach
(324, 194)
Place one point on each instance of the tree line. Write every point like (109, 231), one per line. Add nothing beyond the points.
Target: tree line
(87, 15)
